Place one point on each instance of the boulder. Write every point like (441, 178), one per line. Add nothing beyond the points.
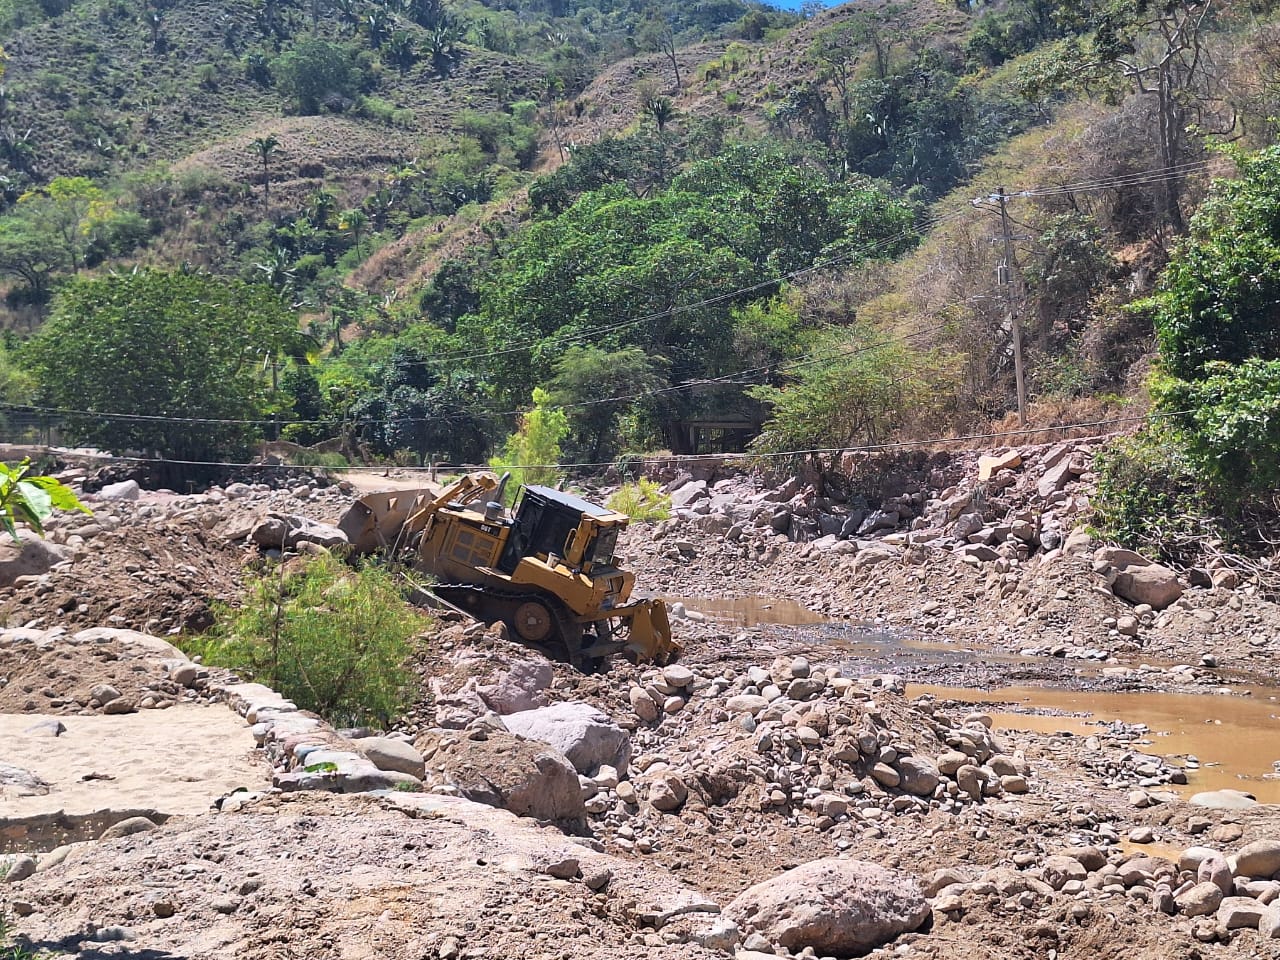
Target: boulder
(1200, 900)
(1058, 870)
(1214, 869)
(919, 776)
(749, 703)
(282, 531)
(18, 868)
(1259, 860)
(1191, 858)
(522, 686)
(1241, 913)
(388, 753)
(1054, 479)
(30, 557)
(587, 737)
(1151, 584)
(124, 490)
(971, 780)
(528, 778)
(837, 907)
(645, 706)
(992, 463)
(19, 782)
(1224, 800)
(127, 828)
(689, 493)
(667, 792)
(1269, 925)
(48, 727)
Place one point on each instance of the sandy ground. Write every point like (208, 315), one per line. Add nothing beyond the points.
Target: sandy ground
(174, 761)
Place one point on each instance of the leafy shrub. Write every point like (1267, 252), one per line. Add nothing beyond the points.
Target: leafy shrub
(317, 74)
(332, 639)
(643, 501)
(1217, 297)
(532, 452)
(1231, 434)
(1148, 496)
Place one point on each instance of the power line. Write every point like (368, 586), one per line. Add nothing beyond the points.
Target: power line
(775, 455)
(590, 333)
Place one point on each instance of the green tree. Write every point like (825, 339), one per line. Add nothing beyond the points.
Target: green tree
(264, 149)
(29, 252)
(315, 73)
(1216, 453)
(532, 453)
(661, 110)
(67, 208)
(354, 222)
(153, 344)
(415, 408)
(588, 382)
(858, 389)
(1217, 300)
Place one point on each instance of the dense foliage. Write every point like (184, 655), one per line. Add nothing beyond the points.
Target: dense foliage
(152, 345)
(762, 225)
(1216, 315)
(333, 640)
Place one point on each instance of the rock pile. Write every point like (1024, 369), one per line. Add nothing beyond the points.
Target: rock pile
(1222, 894)
(100, 670)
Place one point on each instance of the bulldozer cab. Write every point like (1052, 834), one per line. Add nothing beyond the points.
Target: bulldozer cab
(551, 524)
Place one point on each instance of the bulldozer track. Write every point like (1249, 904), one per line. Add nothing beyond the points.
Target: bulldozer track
(567, 630)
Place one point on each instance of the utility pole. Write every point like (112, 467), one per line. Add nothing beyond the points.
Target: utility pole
(1005, 277)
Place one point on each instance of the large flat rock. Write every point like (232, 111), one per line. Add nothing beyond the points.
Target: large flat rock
(175, 761)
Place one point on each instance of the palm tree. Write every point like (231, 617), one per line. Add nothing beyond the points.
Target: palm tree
(662, 111)
(265, 147)
(354, 221)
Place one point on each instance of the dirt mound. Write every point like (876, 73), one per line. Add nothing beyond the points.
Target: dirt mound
(351, 877)
(56, 672)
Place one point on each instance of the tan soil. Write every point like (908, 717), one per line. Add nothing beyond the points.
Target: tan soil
(341, 877)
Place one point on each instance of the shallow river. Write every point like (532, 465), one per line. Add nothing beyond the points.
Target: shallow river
(1236, 738)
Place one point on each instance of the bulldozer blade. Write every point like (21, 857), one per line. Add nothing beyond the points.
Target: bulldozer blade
(373, 522)
(650, 635)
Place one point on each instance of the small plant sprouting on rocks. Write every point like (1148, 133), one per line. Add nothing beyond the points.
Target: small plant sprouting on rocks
(641, 501)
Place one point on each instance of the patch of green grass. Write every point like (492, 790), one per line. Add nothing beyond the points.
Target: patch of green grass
(642, 501)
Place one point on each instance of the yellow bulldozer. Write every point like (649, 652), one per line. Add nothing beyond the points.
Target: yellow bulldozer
(546, 568)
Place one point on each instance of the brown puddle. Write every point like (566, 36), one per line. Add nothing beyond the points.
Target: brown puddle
(752, 611)
(1239, 735)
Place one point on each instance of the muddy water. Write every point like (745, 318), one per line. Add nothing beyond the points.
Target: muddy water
(1235, 738)
(752, 611)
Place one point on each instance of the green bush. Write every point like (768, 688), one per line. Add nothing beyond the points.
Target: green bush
(333, 639)
(643, 501)
(532, 453)
(1231, 430)
(1148, 496)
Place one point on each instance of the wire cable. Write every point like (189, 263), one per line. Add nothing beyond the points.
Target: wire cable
(775, 455)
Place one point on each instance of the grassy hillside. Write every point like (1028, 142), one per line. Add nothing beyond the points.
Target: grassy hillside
(645, 217)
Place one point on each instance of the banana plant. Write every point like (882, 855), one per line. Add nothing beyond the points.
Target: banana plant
(32, 499)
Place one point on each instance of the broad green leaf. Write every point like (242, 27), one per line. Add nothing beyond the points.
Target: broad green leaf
(37, 501)
(63, 497)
